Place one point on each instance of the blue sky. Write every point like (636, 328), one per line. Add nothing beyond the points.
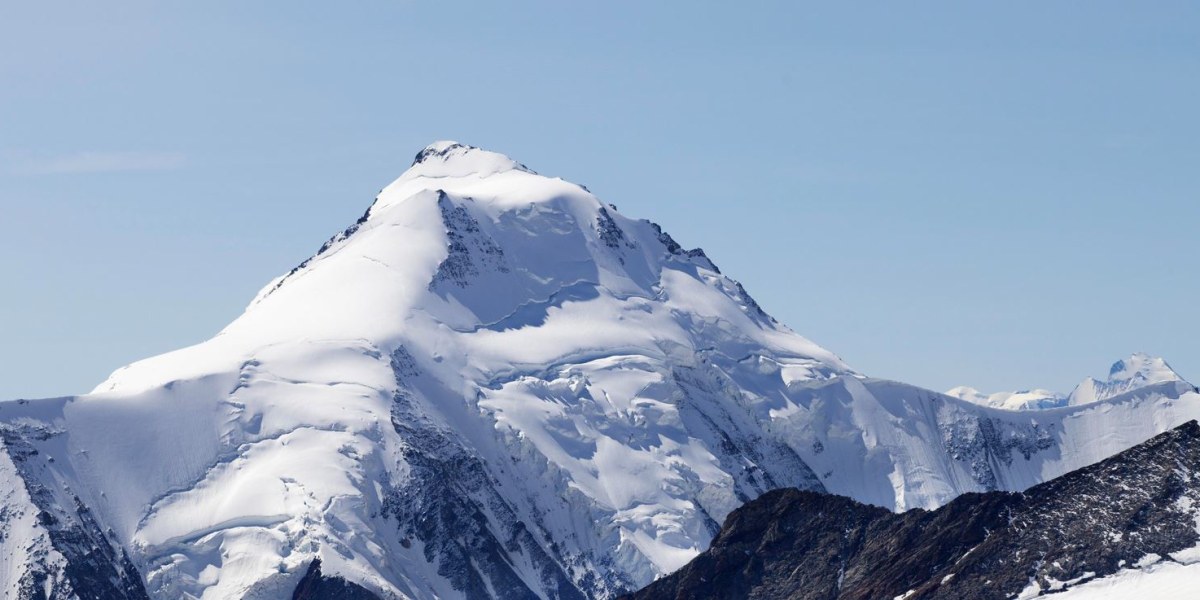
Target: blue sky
(1005, 196)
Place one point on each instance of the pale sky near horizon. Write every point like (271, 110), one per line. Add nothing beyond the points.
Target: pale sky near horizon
(1003, 196)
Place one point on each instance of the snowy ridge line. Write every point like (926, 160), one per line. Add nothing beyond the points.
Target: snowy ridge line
(1137, 372)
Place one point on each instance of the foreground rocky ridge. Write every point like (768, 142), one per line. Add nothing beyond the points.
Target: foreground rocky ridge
(494, 385)
(1079, 527)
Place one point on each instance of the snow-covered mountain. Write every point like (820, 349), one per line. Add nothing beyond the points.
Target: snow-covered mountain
(1130, 375)
(490, 385)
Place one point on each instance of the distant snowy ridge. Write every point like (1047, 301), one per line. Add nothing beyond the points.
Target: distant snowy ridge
(491, 385)
(1138, 371)
(1022, 400)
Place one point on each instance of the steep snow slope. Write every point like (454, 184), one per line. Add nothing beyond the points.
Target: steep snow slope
(494, 385)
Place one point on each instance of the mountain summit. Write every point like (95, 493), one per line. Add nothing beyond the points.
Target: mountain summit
(491, 385)
(1138, 371)
(452, 159)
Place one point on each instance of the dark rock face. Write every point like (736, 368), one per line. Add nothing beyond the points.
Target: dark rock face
(315, 586)
(465, 525)
(610, 233)
(1086, 524)
(92, 566)
(470, 249)
(986, 442)
(758, 464)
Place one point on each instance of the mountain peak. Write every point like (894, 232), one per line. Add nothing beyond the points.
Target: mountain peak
(439, 147)
(448, 158)
(1137, 371)
(489, 385)
(1142, 365)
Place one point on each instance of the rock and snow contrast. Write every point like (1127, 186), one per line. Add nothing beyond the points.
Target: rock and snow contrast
(492, 385)
(1130, 375)
(1132, 519)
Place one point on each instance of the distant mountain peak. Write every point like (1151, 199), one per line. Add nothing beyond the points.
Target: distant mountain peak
(1142, 365)
(1138, 371)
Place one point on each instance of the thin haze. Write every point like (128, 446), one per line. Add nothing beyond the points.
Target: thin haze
(1004, 196)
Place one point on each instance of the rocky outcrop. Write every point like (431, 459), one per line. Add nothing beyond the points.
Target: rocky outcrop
(315, 586)
(1084, 525)
(56, 548)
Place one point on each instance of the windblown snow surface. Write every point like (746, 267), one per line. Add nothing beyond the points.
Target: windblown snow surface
(491, 385)
(1164, 580)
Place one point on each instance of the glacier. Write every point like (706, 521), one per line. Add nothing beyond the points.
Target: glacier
(493, 384)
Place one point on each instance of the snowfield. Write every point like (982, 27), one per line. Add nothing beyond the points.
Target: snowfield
(495, 385)
(1152, 577)
(1167, 580)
